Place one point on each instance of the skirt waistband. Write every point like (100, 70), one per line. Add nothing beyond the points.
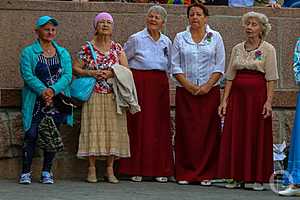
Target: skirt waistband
(248, 71)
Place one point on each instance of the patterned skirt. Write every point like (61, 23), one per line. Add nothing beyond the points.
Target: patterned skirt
(103, 131)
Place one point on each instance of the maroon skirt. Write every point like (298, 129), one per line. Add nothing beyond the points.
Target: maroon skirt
(246, 142)
(150, 130)
(198, 129)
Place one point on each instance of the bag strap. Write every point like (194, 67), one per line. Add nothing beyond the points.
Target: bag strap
(49, 72)
(45, 109)
(94, 56)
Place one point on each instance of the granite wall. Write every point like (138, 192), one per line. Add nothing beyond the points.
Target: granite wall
(17, 30)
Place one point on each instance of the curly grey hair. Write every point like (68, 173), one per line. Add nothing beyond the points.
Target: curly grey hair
(262, 19)
(162, 12)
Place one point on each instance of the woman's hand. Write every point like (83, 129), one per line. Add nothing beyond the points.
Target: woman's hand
(192, 88)
(93, 73)
(274, 5)
(107, 73)
(203, 89)
(222, 109)
(102, 74)
(97, 74)
(267, 110)
(188, 85)
(47, 95)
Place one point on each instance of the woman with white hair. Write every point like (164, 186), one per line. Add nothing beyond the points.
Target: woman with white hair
(246, 143)
(148, 53)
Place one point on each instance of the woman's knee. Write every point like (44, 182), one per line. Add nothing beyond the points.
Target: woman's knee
(31, 135)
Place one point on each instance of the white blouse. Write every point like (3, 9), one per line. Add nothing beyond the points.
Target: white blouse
(144, 53)
(197, 61)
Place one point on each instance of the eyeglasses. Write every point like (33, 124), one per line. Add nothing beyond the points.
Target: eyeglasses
(105, 22)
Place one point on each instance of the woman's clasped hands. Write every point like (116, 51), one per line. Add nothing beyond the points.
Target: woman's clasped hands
(199, 90)
(48, 95)
(101, 74)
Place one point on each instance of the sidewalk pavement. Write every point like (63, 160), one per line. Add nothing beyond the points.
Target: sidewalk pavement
(127, 190)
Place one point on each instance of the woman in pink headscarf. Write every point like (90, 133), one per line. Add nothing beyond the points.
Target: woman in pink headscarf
(103, 131)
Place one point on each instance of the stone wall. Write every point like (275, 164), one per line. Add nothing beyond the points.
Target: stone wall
(17, 20)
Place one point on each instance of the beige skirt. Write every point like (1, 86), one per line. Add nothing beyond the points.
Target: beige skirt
(103, 131)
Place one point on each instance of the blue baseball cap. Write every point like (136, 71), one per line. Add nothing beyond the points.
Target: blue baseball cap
(43, 20)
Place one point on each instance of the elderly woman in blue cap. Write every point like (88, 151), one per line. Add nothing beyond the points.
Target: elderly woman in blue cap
(46, 69)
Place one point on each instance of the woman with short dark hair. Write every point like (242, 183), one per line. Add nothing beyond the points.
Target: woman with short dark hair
(198, 61)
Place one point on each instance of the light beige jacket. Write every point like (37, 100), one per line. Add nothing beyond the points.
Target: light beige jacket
(124, 89)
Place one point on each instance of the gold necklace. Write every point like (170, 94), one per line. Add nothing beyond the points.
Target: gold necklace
(48, 51)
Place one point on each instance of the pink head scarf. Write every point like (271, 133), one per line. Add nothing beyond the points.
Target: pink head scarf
(102, 16)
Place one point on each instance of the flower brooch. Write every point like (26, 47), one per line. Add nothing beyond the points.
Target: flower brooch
(209, 36)
(258, 55)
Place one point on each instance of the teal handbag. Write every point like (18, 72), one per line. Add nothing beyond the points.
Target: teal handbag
(82, 87)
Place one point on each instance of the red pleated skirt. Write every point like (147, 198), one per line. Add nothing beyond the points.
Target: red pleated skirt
(150, 130)
(198, 129)
(246, 142)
